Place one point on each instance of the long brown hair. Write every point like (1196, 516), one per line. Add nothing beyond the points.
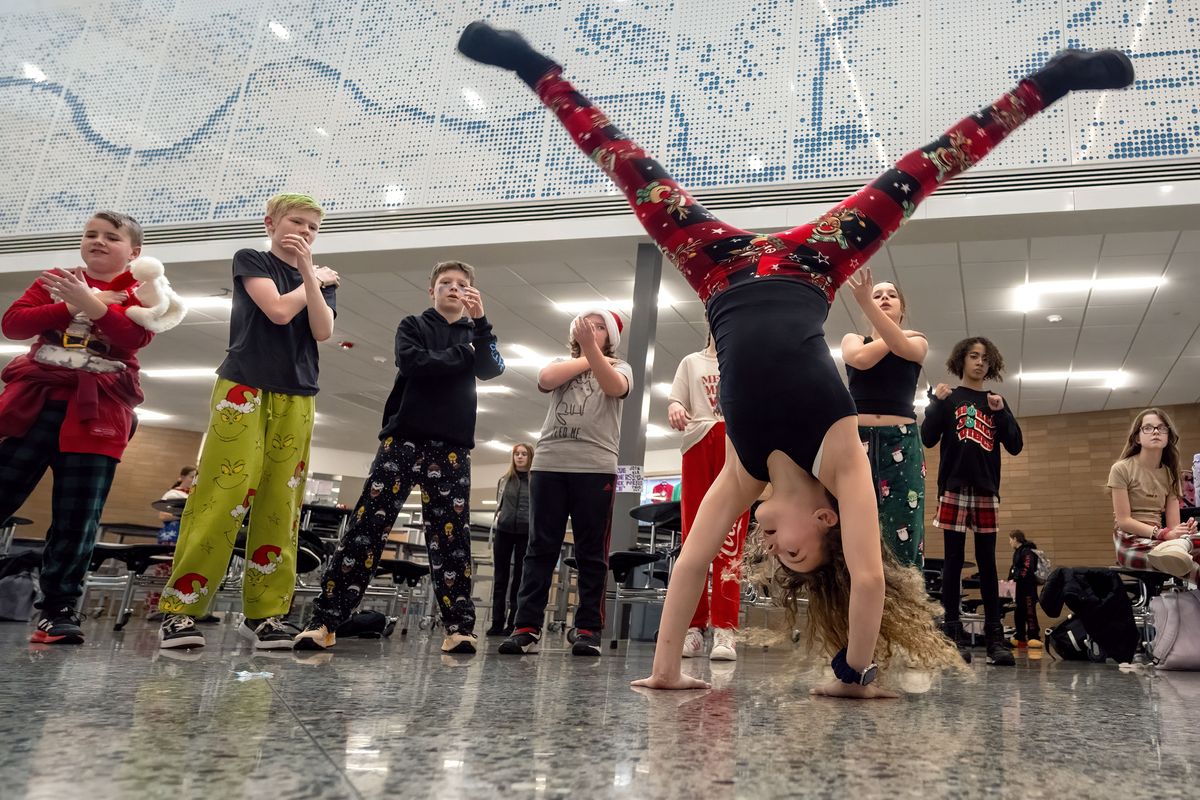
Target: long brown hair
(899, 296)
(907, 628)
(1170, 454)
(512, 460)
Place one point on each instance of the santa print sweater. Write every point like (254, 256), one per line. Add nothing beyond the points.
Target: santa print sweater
(99, 406)
(971, 435)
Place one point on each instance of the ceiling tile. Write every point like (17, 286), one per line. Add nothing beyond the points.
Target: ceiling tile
(919, 255)
(1136, 244)
(1056, 248)
(997, 250)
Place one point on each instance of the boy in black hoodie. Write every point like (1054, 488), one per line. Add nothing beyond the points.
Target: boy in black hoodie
(971, 424)
(427, 437)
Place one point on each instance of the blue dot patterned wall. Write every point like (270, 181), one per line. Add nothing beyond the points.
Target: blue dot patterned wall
(180, 111)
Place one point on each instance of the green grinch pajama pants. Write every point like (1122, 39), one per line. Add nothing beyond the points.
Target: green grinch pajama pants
(255, 455)
(898, 472)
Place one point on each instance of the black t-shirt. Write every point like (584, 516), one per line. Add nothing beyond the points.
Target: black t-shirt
(780, 389)
(275, 358)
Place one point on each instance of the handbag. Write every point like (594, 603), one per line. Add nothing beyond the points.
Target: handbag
(1177, 630)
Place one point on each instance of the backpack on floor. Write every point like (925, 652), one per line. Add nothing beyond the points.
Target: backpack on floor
(1177, 630)
(367, 625)
(1069, 640)
(1044, 567)
(18, 585)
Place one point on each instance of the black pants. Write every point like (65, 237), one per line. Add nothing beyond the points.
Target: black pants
(508, 551)
(1025, 617)
(81, 484)
(989, 587)
(587, 498)
(444, 474)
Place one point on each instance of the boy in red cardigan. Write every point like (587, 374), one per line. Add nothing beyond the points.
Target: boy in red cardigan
(68, 405)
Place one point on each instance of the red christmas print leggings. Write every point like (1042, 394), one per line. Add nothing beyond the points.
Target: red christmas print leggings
(713, 255)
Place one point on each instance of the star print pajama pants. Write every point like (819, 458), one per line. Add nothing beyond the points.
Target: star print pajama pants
(898, 472)
(713, 255)
(255, 456)
(444, 473)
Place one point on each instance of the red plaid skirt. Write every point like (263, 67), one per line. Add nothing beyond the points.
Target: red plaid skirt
(967, 509)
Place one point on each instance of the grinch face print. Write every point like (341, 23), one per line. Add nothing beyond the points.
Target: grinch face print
(230, 421)
(232, 474)
(283, 448)
(280, 404)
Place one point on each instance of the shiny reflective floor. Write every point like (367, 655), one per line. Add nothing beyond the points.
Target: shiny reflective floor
(118, 718)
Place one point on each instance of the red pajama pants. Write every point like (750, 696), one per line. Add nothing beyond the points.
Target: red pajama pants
(701, 463)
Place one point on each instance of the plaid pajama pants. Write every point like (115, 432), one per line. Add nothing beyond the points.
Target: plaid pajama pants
(81, 484)
(1132, 551)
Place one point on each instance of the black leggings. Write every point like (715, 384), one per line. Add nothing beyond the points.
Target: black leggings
(1025, 618)
(508, 551)
(989, 588)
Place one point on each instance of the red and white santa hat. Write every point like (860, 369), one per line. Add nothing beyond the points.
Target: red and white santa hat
(612, 321)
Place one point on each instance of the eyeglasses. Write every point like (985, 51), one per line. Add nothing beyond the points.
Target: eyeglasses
(1153, 429)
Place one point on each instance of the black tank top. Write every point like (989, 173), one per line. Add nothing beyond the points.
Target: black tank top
(888, 388)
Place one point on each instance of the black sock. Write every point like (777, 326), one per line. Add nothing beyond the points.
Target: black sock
(956, 544)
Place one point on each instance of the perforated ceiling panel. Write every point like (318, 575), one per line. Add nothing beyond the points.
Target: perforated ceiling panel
(180, 111)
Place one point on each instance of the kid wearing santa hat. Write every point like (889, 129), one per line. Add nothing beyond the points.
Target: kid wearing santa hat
(574, 475)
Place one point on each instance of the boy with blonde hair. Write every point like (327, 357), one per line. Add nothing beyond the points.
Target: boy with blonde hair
(256, 448)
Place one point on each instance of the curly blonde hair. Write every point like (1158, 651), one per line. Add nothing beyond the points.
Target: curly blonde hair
(907, 630)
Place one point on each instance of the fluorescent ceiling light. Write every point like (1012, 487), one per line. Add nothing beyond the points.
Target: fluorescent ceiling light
(488, 502)
(13, 349)
(836, 352)
(662, 389)
(534, 435)
(394, 194)
(181, 372)
(656, 431)
(1028, 296)
(921, 400)
(212, 301)
(526, 357)
(278, 29)
(665, 300)
(485, 388)
(1113, 378)
(496, 444)
(146, 415)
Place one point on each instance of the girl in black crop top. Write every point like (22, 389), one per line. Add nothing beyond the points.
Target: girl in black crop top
(883, 370)
(788, 418)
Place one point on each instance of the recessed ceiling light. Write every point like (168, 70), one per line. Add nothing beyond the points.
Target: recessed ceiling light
(1112, 378)
(1028, 296)
(278, 29)
(33, 72)
(1054, 318)
(473, 99)
(180, 372)
(208, 302)
(665, 300)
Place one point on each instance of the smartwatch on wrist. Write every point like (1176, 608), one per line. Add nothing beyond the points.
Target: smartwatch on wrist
(848, 674)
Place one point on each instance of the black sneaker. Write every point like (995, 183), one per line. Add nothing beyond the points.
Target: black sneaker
(997, 653)
(58, 626)
(505, 49)
(179, 630)
(494, 631)
(267, 634)
(587, 643)
(523, 641)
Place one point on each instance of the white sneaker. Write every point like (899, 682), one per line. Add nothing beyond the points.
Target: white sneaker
(724, 645)
(693, 643)
(1173, 557)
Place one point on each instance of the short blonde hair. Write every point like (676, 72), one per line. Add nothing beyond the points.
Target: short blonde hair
(446, 266)
(284, 202)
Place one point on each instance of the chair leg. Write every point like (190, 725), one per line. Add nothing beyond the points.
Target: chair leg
(616, 619)
(126, 610)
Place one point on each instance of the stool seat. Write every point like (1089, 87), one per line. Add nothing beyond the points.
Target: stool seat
(622, 562)
(402, 571)
(136, 557)
(1153, 578)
